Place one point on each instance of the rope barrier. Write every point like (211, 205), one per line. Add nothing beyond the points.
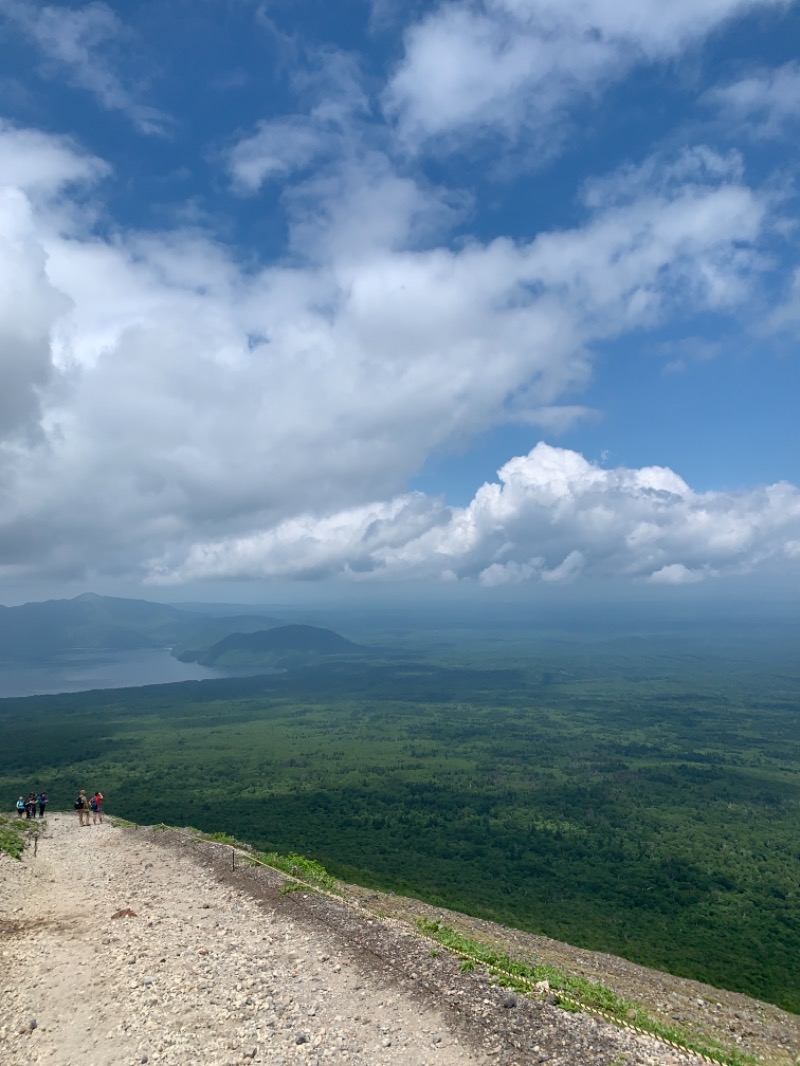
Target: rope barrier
(565, 997)
(492, 969)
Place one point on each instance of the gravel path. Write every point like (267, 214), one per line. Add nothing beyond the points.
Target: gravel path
(124, 946)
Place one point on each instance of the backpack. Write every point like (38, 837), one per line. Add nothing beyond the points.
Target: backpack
(78, 803)
(20, 805)
(93, 803)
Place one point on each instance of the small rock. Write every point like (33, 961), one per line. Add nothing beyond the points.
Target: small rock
(301, 1038)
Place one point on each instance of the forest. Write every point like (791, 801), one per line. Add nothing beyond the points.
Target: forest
(636, 797)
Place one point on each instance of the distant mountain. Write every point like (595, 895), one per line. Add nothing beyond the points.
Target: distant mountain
(282, 646)
(214, 630)
(39, 631)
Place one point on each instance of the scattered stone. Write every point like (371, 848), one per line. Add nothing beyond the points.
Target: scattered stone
(237, 987)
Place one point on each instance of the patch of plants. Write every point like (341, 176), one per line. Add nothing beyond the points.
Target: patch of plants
(573, 993)
(14, 834)
(301, 868)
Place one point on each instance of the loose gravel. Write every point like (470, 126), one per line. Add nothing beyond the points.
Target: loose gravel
(122, 946)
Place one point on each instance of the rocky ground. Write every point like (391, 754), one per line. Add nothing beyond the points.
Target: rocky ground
(122, 946)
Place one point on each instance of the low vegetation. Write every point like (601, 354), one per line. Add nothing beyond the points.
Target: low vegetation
(574, 993)
(16, 833)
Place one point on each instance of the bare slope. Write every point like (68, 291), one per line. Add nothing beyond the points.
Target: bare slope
(128, 946)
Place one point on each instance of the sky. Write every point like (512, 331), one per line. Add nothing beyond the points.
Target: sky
(489, 295)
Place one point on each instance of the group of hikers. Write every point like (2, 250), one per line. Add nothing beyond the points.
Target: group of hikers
(26, 808)
(87, 807)
(90, 809)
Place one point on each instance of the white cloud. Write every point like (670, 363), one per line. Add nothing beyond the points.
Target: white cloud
(516, 65)
(767, 102)
(275, 150)
(29, 307)
(329, 128)
(76, 43)
(34, 170)
(218, 420)
(551, 516)
(676, 574)
(41, 164)
(556, 418)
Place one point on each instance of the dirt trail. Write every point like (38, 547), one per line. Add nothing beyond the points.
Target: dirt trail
(124, 946)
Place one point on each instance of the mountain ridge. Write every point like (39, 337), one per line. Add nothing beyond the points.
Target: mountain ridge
(39, 631)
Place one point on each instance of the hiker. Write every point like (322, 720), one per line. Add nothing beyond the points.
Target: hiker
(30, 805)
(20, 807)
(82, 807)
(42, 803)
(96, 804)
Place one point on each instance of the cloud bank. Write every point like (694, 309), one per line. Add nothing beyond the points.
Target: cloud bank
(551, 516)
(175, 408)
(169, 397)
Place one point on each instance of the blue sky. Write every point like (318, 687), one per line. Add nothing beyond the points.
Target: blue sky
(498, 294)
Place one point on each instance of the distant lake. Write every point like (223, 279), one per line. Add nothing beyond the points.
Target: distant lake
(82, 671)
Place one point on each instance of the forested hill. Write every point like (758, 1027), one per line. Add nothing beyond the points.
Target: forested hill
(278, 646)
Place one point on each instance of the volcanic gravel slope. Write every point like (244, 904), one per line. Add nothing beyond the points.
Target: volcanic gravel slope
(123, 946)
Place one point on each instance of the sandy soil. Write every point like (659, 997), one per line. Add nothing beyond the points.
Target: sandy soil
(121, 946)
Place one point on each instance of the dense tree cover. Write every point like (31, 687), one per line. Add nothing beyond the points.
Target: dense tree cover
(642, 803)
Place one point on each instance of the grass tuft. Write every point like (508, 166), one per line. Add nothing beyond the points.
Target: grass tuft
(15, 833)
(575, 993)
(307, 870)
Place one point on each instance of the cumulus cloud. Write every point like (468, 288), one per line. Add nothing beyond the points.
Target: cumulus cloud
(29, 307)
(551, 516)
(41, 164)
(518, 65)
(186, 417)
(76, 43)
(34, 169)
